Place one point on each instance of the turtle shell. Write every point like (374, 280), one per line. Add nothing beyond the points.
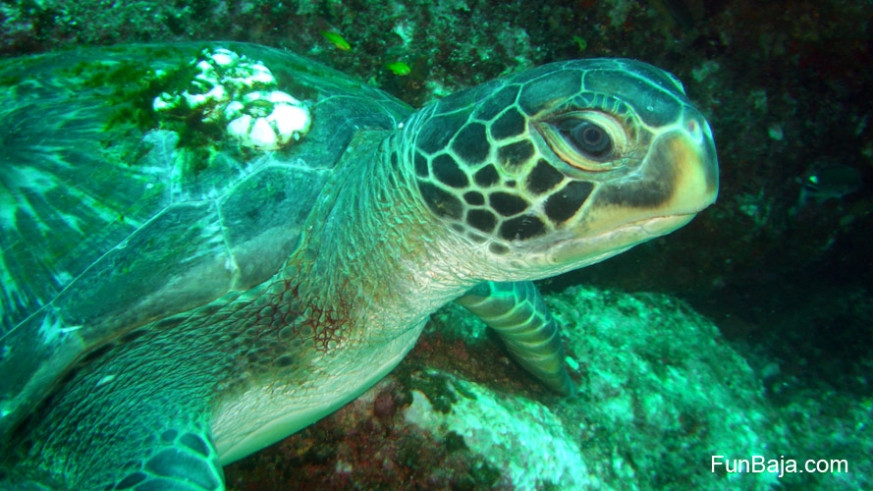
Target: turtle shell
(115, 214)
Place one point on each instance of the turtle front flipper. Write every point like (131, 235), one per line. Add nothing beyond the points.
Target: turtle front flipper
(185, 461)
(517, 312)
(136, 415)
(182, 459)
(176, 459)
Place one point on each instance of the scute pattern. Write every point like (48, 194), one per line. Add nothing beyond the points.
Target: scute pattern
(474, 198)
(471, 144)
(522, 228)
(515, 154)
(487, 176)
(511, 123)
(447, 171)
(461, 175)
(507, 204)
(482, 220)
(491, 169)
(543, 177)
(565, 203)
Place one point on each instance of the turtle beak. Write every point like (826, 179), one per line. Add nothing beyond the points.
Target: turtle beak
(693, 157)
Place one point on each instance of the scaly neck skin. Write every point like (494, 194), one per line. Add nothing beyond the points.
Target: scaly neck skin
(373, 264)
(373, 255)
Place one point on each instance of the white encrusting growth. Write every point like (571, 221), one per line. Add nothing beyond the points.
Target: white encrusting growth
(522, 438)
(231, 90)
(267, 120)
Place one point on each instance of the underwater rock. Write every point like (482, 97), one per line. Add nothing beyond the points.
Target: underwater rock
(523, 439)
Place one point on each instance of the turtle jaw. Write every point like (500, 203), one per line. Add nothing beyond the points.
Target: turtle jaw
(579, 252)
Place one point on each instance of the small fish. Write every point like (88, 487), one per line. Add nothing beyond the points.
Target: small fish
(833, 181)
(398, 68)
(337, 40)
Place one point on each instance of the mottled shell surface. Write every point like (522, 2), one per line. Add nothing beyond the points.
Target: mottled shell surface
(113, 215)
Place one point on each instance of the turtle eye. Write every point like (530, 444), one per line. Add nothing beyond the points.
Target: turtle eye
(588, 140)
(591, 140)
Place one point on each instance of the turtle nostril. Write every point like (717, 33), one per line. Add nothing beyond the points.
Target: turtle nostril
(694, 130)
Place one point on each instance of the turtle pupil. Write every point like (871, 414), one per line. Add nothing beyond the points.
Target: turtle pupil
(592, 137)
(588, 138)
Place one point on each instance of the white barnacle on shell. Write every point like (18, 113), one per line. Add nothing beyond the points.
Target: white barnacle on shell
(204, 91)
(229, 88)
(165, 101)
(267, 120)
(223, 57)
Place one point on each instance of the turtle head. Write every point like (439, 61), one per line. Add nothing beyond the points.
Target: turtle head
(565, 165)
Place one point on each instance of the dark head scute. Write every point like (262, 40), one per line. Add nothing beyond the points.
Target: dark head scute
(507, 204)
(482, 220)
(131, 480)
(515, 154)
(564, 203)
(474, 198)
(509, 124)
(498, 249)
(522, 228)
(195, 443)
(541, 93)
(487, 176)
(447, 171)
(542, 178)
(471, 144)
(441, 203)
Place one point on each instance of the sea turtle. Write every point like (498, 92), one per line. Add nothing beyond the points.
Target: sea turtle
(207, 247)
